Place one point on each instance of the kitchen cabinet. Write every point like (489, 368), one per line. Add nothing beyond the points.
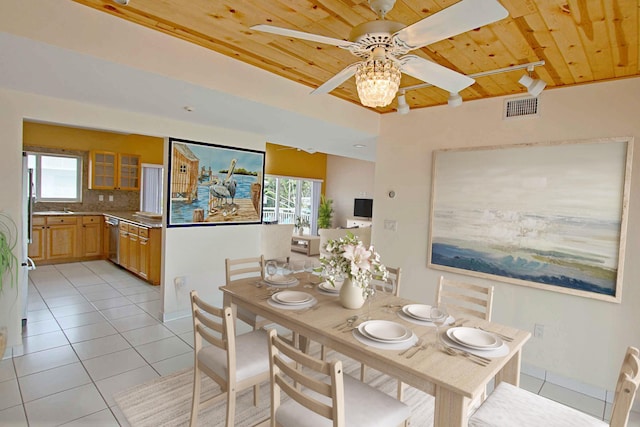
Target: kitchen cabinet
(114, 171)
(54, 238)
(38, 239)
(140, 251)
(92, 230)
(134, 249)
(123, 245)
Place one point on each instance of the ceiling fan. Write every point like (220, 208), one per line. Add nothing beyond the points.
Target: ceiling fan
(381, 43)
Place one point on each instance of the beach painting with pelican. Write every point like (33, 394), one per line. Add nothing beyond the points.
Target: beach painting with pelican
(547, 215)
(214, 184)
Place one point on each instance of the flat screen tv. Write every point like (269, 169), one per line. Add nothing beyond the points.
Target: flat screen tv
(363, 208)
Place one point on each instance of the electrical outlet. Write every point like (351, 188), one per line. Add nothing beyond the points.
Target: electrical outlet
(100, 198)
(180, 281)
(538, 331)
(111, 197)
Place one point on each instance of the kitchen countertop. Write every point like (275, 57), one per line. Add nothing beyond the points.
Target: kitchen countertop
(124, 216)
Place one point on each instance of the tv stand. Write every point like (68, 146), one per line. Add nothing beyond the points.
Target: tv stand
(358, 222)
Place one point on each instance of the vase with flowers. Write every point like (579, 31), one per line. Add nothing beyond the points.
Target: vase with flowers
(349, 260)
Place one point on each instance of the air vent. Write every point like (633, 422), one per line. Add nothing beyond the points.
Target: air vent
(520, 107)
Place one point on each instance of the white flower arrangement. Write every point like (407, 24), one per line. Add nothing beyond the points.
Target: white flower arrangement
(350, 259)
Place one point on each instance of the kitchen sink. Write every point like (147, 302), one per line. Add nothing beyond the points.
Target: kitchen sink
(65, 212)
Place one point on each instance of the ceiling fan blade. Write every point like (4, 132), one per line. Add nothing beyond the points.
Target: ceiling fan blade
(433, 73)
(302, 35)
(336, 80)
(463, 16)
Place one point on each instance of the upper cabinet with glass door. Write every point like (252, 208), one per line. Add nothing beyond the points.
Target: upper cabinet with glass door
(114, 171)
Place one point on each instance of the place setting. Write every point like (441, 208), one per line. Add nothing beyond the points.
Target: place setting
(292, 300)
(327, 288)
(384, 334)
(279, 276)
(475, 341)
(422, 314)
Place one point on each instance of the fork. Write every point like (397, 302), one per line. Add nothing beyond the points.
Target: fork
(422, 347)
(417, 344)
(473, 357)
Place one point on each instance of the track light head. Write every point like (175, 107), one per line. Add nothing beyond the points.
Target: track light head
(403, 107)
(534, 86)
(455, 100)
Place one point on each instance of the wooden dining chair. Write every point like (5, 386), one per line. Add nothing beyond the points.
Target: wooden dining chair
(320, 394)
(512, 406)
(465, 298)
(240, 269)
(233, 362)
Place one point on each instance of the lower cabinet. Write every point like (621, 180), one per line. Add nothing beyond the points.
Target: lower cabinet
(140, 251)
(92, 231)
(54, 239)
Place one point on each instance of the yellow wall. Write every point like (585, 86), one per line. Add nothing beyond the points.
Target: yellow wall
(43, 135)
(287, 161)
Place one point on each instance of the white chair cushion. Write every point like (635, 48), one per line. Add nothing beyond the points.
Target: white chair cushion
(252, 356)
(510, 406)
(364, 406)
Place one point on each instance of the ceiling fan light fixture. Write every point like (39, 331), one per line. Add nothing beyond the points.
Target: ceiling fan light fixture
(377, 81)
(455, 100)
(403, 107)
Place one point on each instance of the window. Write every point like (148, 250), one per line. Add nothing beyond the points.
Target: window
(286, 198)
(57, 177)
(151, 189)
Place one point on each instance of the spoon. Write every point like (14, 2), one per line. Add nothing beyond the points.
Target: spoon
(347, 323)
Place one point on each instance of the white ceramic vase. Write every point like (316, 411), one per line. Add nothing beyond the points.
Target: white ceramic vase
(351, 296)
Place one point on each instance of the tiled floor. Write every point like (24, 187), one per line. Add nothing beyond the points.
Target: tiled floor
(93, 329)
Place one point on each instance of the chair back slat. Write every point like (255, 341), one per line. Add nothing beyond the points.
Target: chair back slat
(243, 267)
(475, 300)
(626, 388)
(393, 281)
(295, 373)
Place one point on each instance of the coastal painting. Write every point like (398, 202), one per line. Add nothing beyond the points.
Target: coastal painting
(213, 184)
(548, 215)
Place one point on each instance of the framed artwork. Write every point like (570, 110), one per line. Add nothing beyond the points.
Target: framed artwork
(547, 215)
(213, 184)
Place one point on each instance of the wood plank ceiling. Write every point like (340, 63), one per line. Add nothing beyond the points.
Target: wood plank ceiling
(581, 41)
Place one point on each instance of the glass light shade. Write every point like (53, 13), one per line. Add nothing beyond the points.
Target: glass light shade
(377, 81)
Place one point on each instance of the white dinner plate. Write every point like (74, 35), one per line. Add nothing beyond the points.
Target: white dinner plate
(385, 330)
(327, 287)
(474, 338)
(292, 297)
(418, 311)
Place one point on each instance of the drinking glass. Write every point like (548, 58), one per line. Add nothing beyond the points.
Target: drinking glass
(388, 288)
(272, 268)
(285, 269)
(370, 293)
(438, 317)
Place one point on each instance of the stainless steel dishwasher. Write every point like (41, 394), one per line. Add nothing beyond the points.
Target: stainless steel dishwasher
(114, 241)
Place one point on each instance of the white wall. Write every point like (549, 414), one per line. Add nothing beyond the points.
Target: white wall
(584, 339)
(196, 253)
(348, 179)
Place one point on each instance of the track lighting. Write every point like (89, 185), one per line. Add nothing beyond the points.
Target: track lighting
(534, 86)
(403, 107)
(455, 100)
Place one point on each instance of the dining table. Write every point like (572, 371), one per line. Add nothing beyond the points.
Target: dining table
(453, 379)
